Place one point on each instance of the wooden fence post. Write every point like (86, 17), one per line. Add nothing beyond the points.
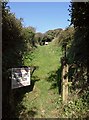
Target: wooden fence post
(65, 83)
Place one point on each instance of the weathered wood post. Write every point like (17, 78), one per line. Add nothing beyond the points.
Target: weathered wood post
(64, 75)
(64, 80)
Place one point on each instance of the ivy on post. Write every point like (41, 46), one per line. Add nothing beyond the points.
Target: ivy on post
(64, 75)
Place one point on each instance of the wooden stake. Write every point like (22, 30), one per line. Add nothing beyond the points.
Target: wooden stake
(65, 83)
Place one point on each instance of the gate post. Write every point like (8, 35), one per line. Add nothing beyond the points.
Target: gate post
(64, 81)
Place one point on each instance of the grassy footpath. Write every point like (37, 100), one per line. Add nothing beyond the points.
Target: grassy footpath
(44, 99)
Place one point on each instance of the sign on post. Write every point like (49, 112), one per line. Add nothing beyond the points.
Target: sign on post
(20, 77)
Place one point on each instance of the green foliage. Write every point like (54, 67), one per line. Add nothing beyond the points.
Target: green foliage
(38, 38)
(13, 48)
(65, 36)
(53, 33)
(64, 40)
(75, 109)
(27, 58)
(79, 18)
(13, 42)
(78, 51)
(29, 34)
(50, 35)
(79, 14)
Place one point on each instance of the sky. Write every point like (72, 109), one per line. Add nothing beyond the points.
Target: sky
(43, 16)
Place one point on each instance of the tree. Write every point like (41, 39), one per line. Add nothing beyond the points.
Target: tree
(38, 38)
(79, 18)
(29, 37)
(79, 48)
(13, 48)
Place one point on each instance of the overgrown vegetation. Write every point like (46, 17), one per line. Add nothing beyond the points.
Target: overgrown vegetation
(22, 46)
(14, 46)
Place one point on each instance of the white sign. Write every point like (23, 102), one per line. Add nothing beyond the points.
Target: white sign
(20, 77)
(46, 43)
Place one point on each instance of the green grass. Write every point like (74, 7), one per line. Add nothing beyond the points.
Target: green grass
(47, 58)
(42, 100)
